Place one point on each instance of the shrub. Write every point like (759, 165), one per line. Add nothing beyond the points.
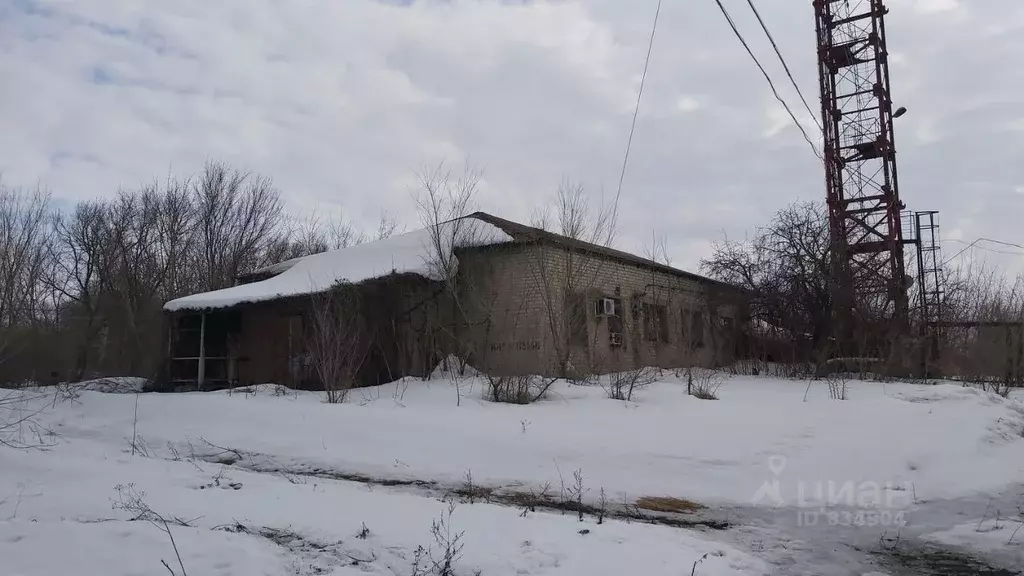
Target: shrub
(701, 383)
(837, 385)
(621, 385)
(519, 389)
(705, 383)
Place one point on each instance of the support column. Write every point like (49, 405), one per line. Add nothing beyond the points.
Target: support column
(202, 352)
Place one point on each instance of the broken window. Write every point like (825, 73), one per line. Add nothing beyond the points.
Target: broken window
(728, 325)
(615, 325)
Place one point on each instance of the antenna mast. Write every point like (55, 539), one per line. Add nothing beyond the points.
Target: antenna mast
(870, 281)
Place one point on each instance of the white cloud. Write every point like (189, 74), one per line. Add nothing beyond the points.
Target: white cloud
(688, 104)
(934, 6)
(339, 101)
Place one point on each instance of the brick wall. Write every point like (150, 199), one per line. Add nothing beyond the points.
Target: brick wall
(507, 313)
(524, 322)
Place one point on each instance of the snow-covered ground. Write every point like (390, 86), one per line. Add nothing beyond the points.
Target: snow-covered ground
(62, 500)
(993, 533)
(942, 441)
(875, 463)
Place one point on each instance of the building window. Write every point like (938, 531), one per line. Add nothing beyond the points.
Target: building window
(728, 325)
(576, 318)
(697, 329)
(615, 325)
(655, 323)
(693, 327)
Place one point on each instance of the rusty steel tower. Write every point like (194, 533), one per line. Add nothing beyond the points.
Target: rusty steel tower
(870, 281)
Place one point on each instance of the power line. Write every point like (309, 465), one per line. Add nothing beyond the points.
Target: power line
(1010, 244)
(994, 251)
(974, 244)
(764, 72)
(636, 110)
(784, 64)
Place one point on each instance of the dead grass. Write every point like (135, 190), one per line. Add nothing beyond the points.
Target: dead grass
(668, 504)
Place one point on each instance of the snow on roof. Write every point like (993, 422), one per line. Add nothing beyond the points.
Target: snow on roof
(408, 253)
(276, 268)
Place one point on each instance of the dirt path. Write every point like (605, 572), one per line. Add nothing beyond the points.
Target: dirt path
(781, 535)
(841, 549)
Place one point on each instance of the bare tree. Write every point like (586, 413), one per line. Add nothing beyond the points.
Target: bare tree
(984, 342)
(657, 250)
(571, 214)
(132, 277)
(387, 226)
(92, 281)
(786, 268)
(112, 264)
(444, 200)
(314, 234)
(24, 236)
(239, 216)
(339, 339)
(176, 222)
(76, 257)
(565, 272)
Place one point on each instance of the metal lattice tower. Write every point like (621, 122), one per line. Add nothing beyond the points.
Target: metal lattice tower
(860, 167)
(930, 291)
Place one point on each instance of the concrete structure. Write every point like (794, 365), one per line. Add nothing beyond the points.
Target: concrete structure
(534, 302)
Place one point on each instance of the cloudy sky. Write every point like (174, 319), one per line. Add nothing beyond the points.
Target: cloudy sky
(340, 100)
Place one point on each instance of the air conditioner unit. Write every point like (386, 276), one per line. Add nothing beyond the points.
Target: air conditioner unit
(606, 306)
(615, 339)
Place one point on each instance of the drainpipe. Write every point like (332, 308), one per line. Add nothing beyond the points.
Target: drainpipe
(202, 352)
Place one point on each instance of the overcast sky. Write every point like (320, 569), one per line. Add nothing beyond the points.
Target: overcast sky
(340, 100)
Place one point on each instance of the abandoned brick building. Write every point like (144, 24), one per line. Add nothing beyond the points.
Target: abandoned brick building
(505, 297)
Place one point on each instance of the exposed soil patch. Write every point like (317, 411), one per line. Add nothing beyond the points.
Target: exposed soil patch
(312, 557)
(667, 511)
(930, 560)
(669, 504)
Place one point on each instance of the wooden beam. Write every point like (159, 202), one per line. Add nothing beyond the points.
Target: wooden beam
(202, 353)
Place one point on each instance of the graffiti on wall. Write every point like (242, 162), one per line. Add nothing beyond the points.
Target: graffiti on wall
(516, 346)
